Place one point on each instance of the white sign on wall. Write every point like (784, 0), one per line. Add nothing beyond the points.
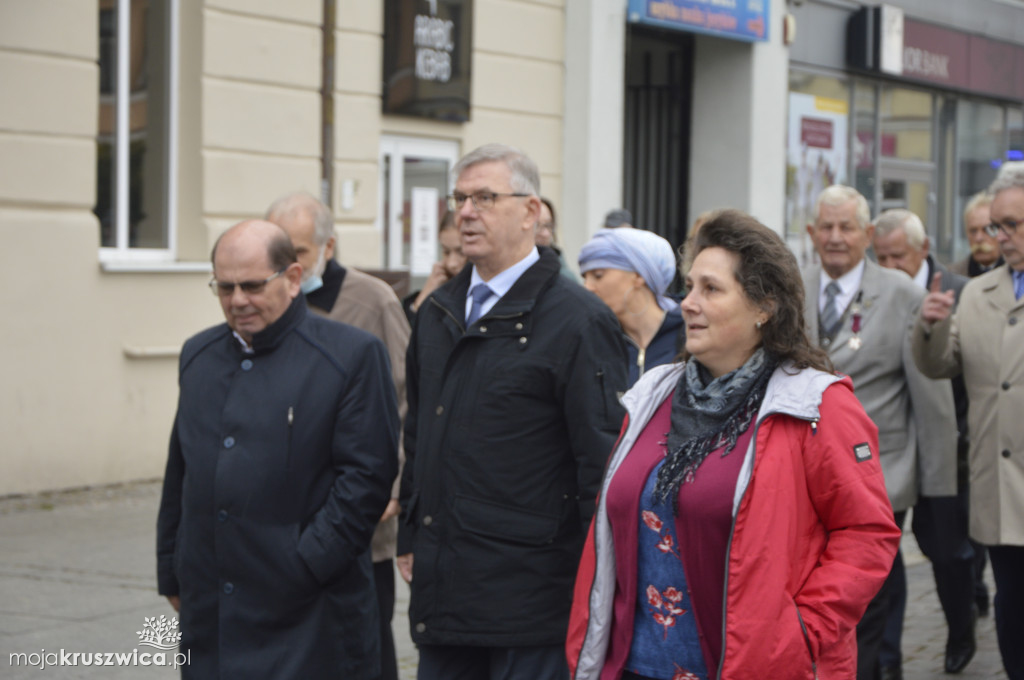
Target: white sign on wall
(424, 230)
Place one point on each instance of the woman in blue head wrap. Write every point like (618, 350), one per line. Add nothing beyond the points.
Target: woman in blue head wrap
(630, 270)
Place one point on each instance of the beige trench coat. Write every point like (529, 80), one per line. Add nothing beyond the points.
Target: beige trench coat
(369, 303)
(985, 339)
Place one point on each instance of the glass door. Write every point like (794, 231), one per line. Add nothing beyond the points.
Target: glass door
(412, 171)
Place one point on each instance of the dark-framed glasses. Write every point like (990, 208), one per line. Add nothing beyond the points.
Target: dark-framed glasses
(226, 288)
(1007, 226)
(482, 200)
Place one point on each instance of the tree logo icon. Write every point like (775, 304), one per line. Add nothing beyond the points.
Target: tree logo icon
(161, 633)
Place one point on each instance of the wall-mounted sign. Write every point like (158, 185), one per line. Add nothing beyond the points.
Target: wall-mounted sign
(428, 47)
(934, 54)
(736, 19)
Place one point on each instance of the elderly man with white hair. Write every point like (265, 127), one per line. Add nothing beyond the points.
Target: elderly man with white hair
(860, 314)
(939, 522)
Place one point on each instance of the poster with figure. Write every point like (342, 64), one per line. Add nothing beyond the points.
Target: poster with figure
(816, 158)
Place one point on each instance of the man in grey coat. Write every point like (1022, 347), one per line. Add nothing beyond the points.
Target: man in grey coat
(281, 460)
(940, 523)
(861, 315)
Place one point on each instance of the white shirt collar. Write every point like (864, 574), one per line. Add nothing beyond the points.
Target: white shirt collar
(500, 283)
(246, 347)
(849, 284)
(921, 277)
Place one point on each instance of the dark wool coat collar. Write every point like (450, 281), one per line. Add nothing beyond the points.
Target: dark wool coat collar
(520, 298)
(325, 296)
(270, 337)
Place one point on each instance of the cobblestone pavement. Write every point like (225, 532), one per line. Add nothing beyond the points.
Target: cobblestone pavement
(77, 574)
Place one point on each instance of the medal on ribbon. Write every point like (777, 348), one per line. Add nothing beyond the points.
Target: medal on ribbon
(856, 318)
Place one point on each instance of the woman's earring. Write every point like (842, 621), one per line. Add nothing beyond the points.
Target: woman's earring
(758, 325)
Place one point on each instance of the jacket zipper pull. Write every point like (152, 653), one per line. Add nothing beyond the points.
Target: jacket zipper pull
(291, 416)
(814, 427)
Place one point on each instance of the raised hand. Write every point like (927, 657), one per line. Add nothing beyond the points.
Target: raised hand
(938, 304)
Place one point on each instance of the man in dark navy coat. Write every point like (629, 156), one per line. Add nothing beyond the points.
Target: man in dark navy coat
(513, 378)
(281, 460)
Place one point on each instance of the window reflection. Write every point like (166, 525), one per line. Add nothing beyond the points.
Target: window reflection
(146, 134)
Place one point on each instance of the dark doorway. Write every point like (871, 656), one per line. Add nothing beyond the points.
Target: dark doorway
(659, 79)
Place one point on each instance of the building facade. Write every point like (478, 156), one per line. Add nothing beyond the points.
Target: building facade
(133, 132)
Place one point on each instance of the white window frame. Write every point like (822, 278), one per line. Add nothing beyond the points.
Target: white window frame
(398, 149)
(122, 253)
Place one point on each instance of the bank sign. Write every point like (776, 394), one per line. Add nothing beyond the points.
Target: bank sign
(736, 19)
(427, 58)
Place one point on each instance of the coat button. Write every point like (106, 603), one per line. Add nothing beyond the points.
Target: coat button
(428, 520)
(229, 442)
(222, 516)
(519, 326)
(246, 364)
(1013, 321)
(420, 627)
(1005, 385)
(439, 410)
(522, 341)
(483, 329)
(229, 588)
(1006, 453)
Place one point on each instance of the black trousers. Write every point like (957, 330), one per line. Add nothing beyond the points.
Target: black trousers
(872, 624)
(449, 662)
(940, 526)
(1008, 570)
(384, 579)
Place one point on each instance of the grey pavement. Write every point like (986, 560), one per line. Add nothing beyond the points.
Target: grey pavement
(77, 572)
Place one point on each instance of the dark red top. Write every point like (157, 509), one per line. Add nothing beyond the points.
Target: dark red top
(702, 527)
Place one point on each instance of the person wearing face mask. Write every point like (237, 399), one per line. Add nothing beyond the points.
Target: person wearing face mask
(630, 269)
(353, 297)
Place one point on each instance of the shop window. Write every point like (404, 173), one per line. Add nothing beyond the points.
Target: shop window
(864, 141)
(817, 150)
(905, 124)
(415, 181)
(134, 140)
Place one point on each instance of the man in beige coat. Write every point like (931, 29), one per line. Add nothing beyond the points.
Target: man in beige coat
(350, 296)
(984, 339)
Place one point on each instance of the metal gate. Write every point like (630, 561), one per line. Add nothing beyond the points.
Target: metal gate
(659, 77)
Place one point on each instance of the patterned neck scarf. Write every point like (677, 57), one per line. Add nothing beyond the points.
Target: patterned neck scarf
(707, 414)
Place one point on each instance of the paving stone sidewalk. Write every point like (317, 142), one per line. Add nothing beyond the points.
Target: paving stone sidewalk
(77, 573)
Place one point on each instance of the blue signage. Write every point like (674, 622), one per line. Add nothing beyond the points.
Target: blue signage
(737, 19)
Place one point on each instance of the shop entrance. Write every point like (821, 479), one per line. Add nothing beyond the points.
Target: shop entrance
(411, 168)
(656, 153)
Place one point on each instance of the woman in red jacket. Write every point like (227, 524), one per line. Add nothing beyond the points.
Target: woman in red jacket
(743, 523)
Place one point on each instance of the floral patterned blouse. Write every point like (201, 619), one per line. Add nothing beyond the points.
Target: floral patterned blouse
(672, 567)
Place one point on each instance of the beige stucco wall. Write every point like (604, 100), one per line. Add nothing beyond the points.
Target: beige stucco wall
(87, 352)
(75, 410)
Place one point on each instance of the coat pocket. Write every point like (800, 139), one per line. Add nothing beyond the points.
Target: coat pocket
(508, 523)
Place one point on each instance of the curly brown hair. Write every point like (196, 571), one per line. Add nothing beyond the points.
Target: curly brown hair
(770, 277)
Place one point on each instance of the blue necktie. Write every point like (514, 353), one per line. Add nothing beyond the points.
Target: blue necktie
(1018, 284)
(480, 294)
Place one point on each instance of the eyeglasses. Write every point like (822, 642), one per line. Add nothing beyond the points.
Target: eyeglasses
(1008, 227)
(482, 200)
(225, 288)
